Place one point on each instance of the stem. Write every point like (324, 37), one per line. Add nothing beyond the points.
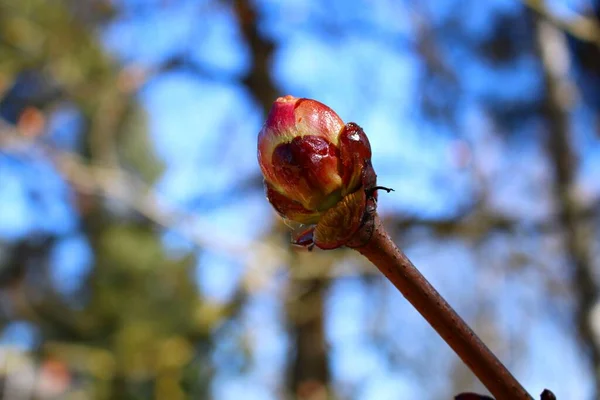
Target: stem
(381, 251)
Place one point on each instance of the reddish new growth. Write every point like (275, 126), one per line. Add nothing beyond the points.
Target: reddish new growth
(317, 170)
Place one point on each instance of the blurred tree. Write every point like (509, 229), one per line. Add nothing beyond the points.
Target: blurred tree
(138, 327)
(309, 376)
(577, 232)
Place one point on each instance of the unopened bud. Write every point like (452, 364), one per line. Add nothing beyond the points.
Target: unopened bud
(312, 162)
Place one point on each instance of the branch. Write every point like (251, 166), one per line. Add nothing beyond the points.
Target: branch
(583, 28)
(383, 253)
(116, 184)
(258, 79)
(576, 232)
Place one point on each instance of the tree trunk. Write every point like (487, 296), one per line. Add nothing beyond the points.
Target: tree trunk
(576, 232)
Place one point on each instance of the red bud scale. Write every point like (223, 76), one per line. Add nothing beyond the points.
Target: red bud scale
(317, 170)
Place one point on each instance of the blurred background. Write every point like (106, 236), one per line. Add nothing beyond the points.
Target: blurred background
(139, 258)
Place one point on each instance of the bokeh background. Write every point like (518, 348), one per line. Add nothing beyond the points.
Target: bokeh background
(139, 258)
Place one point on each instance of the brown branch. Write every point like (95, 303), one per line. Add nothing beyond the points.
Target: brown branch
(258, 79)
(391, 261)
(309, 374)
(576, 232)
(582, 28)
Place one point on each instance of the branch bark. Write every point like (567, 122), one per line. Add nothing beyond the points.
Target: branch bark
(393, 263)
(309, 373)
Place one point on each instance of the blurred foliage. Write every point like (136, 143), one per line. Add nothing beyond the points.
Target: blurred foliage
(140, 325)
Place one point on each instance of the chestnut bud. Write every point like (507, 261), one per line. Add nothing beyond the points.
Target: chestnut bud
(313, 165)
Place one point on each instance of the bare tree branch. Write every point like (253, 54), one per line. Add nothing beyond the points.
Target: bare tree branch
(576, 232)
(583, 28)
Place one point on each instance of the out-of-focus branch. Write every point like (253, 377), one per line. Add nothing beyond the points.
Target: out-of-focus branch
(258, 80)
(309, 374)
(576, 232)
(583, 28)
(309, 368)
(438, 81)
(115, 184)
(264, 257)
(480, 221)
(177, 63)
